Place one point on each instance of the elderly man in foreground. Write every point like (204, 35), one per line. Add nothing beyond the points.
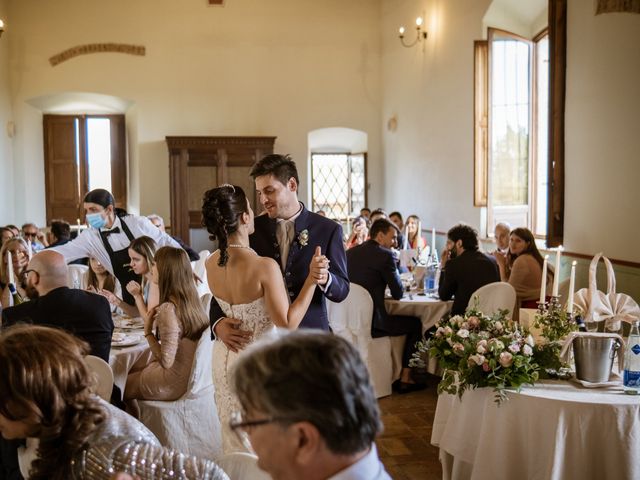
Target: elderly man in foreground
(308, 409)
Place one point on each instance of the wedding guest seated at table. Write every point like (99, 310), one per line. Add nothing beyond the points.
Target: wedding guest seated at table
(70, 432)
(179, 322)
(415, 240)
(396, 218)
(501, 236)
(308, 408)
(377, 214)
(365, 212)
(158, 221)
(141, 254)
(15, 247)
(464, 269)
(14, 229)
(99, 279)
(30, 231)
(372, 265)
(60, 234)
(53, 303)
(5, 234)
(359, 232)
(522, 268)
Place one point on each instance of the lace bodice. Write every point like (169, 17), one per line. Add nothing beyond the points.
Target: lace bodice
(253, 315)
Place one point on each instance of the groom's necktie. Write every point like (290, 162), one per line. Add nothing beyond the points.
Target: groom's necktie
(285, 237)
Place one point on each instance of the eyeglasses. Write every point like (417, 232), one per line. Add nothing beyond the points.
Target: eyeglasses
(242, 427)
(30, 234)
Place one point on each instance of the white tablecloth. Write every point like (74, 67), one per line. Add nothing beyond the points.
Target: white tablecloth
(122, 359)
(555, 430)
(428, 309)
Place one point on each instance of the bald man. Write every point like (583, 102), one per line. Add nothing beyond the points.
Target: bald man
(501, 233)
(53, 303)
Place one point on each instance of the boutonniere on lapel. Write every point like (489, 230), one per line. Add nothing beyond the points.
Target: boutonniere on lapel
(303, 238)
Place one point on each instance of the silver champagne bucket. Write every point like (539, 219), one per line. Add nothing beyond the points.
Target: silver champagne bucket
(594, 357)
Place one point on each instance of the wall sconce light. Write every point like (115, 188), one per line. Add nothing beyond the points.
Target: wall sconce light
(1, 27)
(420, 34)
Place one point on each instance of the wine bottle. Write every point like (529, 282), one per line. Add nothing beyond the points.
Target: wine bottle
(15, 296)
(580, 323)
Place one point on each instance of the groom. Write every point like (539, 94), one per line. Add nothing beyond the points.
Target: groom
(290, 234)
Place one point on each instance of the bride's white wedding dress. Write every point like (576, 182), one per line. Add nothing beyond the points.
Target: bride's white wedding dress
(255, 319)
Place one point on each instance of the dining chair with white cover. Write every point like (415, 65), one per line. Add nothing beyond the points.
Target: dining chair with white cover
(205, 301)
(351, 319)
(77, 276)
(102, 375)
(241, 466)
(200, 270)
(493, 297)
(190, 424)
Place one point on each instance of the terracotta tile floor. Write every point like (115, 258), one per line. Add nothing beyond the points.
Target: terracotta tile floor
(404, 446)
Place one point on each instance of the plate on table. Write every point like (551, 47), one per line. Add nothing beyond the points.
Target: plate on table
(128, 323)
(126, 339)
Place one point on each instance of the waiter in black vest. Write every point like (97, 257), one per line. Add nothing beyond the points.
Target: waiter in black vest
(108, 239)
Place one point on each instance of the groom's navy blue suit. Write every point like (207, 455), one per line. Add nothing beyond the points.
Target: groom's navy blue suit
(321, 232)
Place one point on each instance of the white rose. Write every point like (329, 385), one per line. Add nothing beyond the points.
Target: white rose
(499, 326)
(448, 331)
(527, 350)
(465, 325)
(463, 333)
(481, 349)
(530, 341)
(506, 359)
(514, 348)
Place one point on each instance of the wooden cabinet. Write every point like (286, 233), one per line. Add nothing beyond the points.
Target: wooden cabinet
(197, 164)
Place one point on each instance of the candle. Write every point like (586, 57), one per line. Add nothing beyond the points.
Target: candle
(78, 221)
(348, 226)
(405, 243)
(572, 284)
(419, 236)
(543, 285)
(10, 275)
(30, 249)
(556, 274)
(433, 239)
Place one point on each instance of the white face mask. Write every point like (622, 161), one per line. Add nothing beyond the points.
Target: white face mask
(96, 220)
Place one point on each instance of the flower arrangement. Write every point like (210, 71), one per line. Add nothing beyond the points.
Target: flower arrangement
(480, 351)
(555, 324)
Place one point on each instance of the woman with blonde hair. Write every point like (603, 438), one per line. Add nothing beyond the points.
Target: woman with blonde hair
(19, 259)
(70, 433)
(179, 321)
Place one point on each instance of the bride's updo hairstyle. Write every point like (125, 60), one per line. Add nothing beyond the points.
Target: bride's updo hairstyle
(222, 208)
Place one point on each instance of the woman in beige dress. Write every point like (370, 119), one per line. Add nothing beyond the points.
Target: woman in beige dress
(172, 330)
(522, 268)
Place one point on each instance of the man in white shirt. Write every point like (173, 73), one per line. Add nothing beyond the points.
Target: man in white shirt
(308, 408)
(108, 239)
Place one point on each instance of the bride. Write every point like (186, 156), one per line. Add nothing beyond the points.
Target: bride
(247, 287)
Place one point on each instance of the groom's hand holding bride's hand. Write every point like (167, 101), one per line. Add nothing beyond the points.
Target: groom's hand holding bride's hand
(319, 268)
(228, 331)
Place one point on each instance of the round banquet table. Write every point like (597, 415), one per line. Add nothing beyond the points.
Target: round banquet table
(428, 309)
(554, 430)
(122, 359)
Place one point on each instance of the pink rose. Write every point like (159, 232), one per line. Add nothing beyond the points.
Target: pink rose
(473, 321)
(514, 348)
(506, 359)
(486, 367)
(458, 347)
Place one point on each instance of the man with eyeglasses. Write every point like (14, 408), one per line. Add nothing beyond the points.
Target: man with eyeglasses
(308, 409)
(31, 232)
(53, 303)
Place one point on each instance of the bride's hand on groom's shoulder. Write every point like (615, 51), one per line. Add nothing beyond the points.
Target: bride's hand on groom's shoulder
(228, 331)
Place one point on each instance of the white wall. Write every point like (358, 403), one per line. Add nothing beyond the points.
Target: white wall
(282, 68)
(6, 116)
(602, 132)
(428, 166)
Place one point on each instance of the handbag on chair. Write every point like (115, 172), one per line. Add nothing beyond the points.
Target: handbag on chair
(610, 307)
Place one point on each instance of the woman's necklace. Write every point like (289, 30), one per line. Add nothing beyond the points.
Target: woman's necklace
(236, 245)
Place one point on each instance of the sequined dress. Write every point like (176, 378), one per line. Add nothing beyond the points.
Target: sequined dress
(254, 319)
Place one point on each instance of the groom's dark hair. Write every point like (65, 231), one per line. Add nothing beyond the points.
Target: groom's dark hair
(280, 166)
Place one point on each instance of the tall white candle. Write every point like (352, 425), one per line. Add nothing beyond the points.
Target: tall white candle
(433, 239)
(348, 226)
(405, 243)
(556, 274)
(10, 275)
(30, 249)
(543, 283)
(572, 285)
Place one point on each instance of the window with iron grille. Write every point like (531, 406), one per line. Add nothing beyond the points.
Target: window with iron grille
(339, 182)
